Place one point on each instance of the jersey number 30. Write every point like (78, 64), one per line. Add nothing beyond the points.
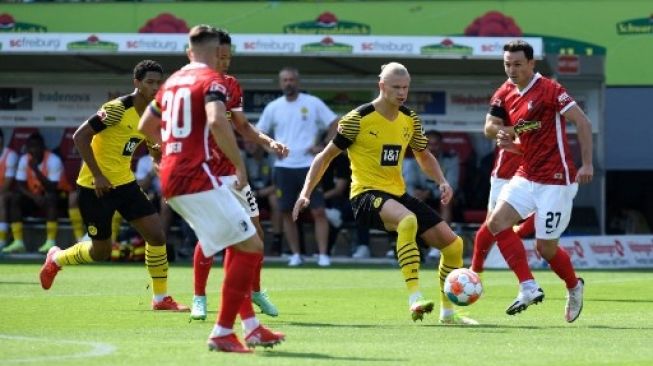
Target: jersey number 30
(176, 114)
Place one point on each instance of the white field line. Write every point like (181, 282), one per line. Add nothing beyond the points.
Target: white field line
(97, 350)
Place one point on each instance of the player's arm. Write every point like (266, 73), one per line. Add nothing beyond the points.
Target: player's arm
(315, 173)
(82, 139)
(216, 117)
(10, 172)
(47, 184)
(584, 131)
(251, 133)
(431, 167)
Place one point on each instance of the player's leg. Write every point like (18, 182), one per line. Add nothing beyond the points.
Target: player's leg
(286, 180)
(436, 233)
(5, 197)
(96, 213)
(553, 216)
(50, 206)
(484, 239)
(527, 227)
(515, 202)
(249, 203)
(321, 225)
(394, 216)
(138, 210)
(75, 215)
(18, 203)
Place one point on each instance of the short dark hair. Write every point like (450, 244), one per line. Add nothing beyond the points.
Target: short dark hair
(519, 45)
(204, 33)
(146, 66)
(289, 69)
(36, 137)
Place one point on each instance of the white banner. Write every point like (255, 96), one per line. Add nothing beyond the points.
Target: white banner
(53, 105)
(265, 44)
(591, 252)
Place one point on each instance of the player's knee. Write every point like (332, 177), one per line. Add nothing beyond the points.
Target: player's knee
(100, 250)
(408, 224)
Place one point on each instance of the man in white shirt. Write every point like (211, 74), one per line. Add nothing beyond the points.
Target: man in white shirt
(297, 120)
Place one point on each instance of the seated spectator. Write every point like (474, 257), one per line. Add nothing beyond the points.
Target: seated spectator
(259, 166)
(39, 187)
(8, 161)
(426, 190)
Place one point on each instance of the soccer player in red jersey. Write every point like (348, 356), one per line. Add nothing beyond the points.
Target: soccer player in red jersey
(187, 113)
(226, 171)
(506, 164)
(535, 109)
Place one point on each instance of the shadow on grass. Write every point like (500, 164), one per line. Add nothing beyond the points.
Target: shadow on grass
(322, 356)
(497, 328)
(19, 283)
(331, 325)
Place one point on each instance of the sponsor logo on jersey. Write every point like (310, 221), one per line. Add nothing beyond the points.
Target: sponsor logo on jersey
(526, 126)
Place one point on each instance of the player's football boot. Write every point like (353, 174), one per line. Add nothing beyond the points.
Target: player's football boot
(228, 343)
(262, 300)
(524, 299)
(574, 301)
(46, 246)
(457, 319)
(198, 310)
(168, 304)
(420, 307)
(262, 336)
(16, 246)
(49, 269)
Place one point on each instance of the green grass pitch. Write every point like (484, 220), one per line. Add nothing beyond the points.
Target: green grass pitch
(344, 315)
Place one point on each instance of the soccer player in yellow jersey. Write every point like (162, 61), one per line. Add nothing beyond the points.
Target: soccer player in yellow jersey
(106, 184)
(376, 136)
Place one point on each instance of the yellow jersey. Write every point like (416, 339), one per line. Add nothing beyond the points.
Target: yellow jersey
(376, 147)
(117, 137)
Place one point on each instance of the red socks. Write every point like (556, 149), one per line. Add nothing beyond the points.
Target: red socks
(237, 285)
(512, 250)
(201, 269)
(526, 228)
(561, 265)
(482, 244)
(256, 285)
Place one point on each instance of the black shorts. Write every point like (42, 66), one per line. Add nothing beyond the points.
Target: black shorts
(367, 206)
(128, 199)
(289, 182)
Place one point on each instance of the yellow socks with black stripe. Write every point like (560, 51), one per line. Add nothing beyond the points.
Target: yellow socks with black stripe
(156, 261)
(51, 230)
(79, 253)
(407, 252)
(76, 222)
(451, 257)
(17, 230)
(116, 221)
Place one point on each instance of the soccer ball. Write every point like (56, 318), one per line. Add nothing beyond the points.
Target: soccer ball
(463, 287)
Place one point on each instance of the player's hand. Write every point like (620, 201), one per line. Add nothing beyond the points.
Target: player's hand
(155, 153)
(102, 185)
(300, 204)
(279, 149)
(446, 193)
(585, 174)
(241, 180)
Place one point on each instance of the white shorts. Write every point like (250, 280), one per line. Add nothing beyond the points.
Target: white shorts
(244, 196)
(216, 216)
(496, 185)
(551, 203)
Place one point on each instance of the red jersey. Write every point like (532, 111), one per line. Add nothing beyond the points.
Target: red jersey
(234, 103)
(506, 164)
(536, 115)
(187, 164)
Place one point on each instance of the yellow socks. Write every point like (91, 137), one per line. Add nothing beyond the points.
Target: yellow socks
(76, 222)
(17, 230)
(3, 232)
(51, 230)
(451, 257)
(79, 253)
(407, 252)
(115, 226)
(156, 261)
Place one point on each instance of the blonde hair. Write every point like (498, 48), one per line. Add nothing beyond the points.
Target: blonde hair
(393, 68)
